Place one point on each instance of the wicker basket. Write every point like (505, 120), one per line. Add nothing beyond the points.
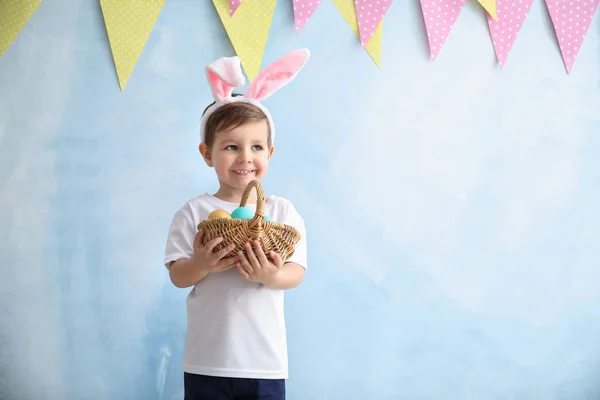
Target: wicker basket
(272, 236)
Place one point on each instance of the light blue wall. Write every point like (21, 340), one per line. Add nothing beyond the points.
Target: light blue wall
(452, 208)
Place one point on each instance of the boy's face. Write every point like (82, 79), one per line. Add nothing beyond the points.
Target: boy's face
(239, 155)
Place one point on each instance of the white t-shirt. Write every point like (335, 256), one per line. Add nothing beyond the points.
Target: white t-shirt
(235, 328)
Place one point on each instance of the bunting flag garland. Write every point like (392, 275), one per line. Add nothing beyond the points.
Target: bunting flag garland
(439, 17)
(248, 30)
(571, 20)
(14, 14)
(490, 6)
(504, 30)
(303, 10)
(129, 24)
(369, 14)
(233, 5)
(348, 11)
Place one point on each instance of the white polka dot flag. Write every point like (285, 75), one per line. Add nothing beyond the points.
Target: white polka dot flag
(504, 30)
(348, 11)
(571, 20)
(129, 24)
(248, 30)
(439, 17)
(369, 14)
(14, 14)
(303, 10)
(233, 6)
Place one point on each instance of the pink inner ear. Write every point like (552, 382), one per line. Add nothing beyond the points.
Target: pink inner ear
(277, 75)
(269, 84)
(220, 88)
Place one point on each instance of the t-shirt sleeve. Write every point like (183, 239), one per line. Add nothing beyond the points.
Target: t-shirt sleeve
(293, 218)
(180, 239)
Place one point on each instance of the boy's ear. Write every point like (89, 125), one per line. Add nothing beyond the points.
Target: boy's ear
(271, 150)
(206, 154)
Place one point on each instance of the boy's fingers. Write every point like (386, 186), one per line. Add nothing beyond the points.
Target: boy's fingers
(198, 238)
(245, 264)
(224, 265)
(242, 271)
(262, 258)
(223, 252)
(276, 259)
(251, 256)
(211, 245)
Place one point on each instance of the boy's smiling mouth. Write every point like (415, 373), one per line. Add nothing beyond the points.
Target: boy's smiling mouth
(243, 172)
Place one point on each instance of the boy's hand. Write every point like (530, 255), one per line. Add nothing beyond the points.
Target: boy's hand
(206, 260)
(256, 267)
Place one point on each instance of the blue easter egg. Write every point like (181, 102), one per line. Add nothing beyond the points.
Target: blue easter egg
(242, 213)
(267, 219)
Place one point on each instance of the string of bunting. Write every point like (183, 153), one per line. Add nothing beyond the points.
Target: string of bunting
(129, 24)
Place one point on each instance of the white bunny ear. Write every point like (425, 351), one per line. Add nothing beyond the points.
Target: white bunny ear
(223, 75)
(277, 75)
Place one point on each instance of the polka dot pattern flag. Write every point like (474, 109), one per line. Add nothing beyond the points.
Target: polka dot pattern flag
(348, 11)
(439, 17)
(490, 6)
(129, 24)
(14, 14)
(504, 30)
(303, 10)
(369, 14)
(248, 30)
(233, 6)
(571, 20)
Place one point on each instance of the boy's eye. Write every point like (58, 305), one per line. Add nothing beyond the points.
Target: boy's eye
(233, 147)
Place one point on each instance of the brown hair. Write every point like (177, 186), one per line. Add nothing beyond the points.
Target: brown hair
(230, 116)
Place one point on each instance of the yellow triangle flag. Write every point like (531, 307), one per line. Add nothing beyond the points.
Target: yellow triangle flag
(490, 7)
(248, 30)
(348, 11)
(128, 24)
(14, 14)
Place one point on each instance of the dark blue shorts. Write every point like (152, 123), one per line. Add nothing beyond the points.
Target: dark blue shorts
(201, 387)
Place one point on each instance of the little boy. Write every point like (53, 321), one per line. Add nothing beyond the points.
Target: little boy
(235, 345)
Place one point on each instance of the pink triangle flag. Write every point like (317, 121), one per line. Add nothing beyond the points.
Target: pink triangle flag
(369, 14)
(511, 15)
(303, 10)
(571, 20)
(233, 6)
(439, 17)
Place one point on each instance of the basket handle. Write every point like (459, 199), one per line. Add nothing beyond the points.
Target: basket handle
(255, 224)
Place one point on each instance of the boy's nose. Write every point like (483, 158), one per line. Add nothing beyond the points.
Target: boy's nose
(245, 156)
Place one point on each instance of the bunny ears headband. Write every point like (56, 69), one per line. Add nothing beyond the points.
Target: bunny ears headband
(225, 74)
